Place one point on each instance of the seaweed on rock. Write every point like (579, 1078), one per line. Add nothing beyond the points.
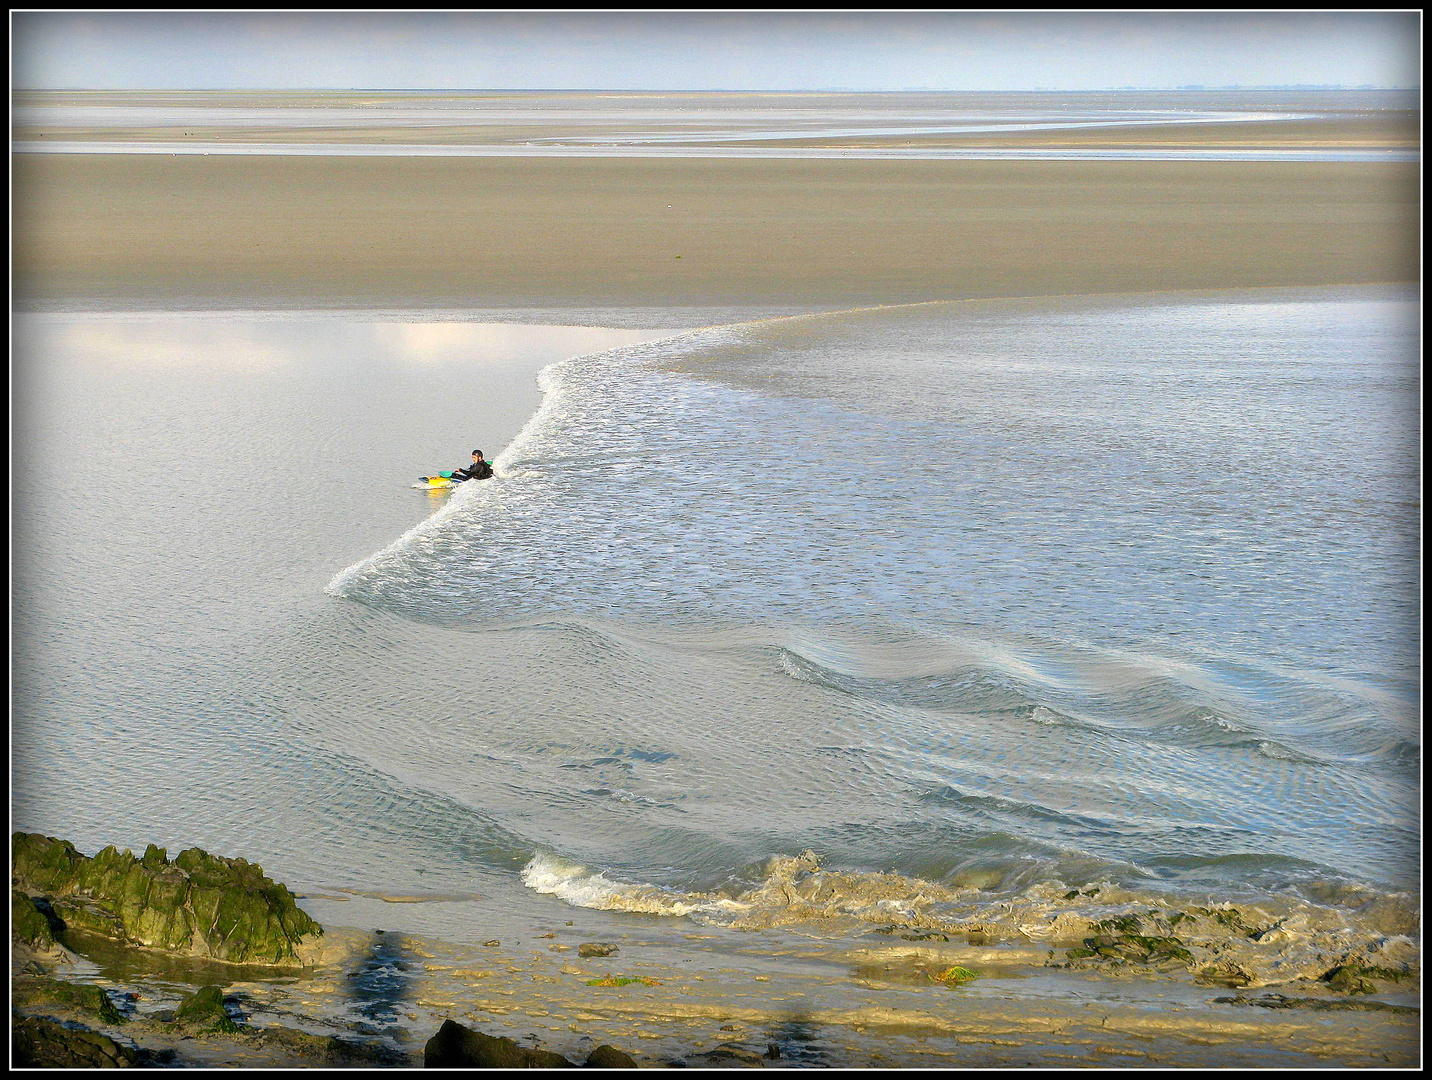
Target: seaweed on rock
(198, 904)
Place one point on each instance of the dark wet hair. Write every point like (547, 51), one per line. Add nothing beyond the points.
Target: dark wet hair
(477, 453)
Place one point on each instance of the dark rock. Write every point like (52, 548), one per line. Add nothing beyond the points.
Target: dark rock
(329, 1049)
(455, 1046)
(39, 1043)
(773, 1053)
(596, 948)
(728, 1054)
(28, 923)
(198, 904)
(609, 1057)
(84, 999)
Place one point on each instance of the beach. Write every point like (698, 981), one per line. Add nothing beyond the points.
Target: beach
(1095, 636)
(708, 234)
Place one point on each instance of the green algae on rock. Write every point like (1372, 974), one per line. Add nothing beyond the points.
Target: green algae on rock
(37, 1042)
(1240, 947)
(205, 1006)
(83, 999)
(197, 904)
(28, 923)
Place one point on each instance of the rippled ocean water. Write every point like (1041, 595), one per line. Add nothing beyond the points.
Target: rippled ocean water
(980, 604)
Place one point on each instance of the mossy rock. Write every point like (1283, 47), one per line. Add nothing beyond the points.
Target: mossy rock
(36, 1042)
(246, 917)
(197, 904)
(1122, 939)
(83, 998)
(203, 1004)
(1349, 979)
(1151, 949)
(28, 924)
(42, 864)
(204, 1010)
(89, 916)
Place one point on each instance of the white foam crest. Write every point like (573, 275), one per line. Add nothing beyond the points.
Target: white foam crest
(583, 887)
(460, 498)
(557, 382)
(1273, 940)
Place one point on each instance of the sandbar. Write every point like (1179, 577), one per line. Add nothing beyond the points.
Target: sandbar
(288, 232)
(775, 1002)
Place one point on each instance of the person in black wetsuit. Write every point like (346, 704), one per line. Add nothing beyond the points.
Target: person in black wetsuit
(478, 470)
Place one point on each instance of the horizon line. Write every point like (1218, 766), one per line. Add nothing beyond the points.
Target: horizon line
(1183, 88)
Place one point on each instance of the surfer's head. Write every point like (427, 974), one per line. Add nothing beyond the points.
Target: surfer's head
(477, 453)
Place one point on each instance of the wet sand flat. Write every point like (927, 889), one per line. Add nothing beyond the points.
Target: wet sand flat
(118, 231)
(694, 1006)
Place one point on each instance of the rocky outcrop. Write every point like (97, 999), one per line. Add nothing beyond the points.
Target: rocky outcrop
(36, 1042)
(28, 924)
(83, 1000)
(455, 1046)
(731, 1056)
(609, 1057)
(204, 1009)
(459, 1047)
(196, 905)
(328, 1049)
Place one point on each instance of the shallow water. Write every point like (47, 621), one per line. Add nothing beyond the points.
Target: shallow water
(1009, 598)
(547, 124)
(285, 149)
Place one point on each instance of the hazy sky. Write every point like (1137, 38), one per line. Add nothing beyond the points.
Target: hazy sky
(721, 51)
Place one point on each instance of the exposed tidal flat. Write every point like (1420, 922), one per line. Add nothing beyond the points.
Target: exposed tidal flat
(115, 949)
(152, 225)
(958, 681)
